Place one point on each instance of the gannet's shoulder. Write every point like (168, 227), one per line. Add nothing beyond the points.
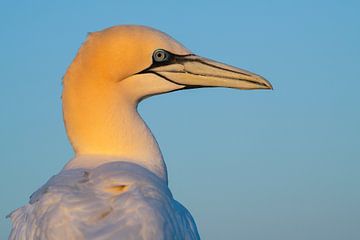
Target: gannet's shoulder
(117, 200)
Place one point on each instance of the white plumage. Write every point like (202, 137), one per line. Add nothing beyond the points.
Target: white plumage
(118, 200)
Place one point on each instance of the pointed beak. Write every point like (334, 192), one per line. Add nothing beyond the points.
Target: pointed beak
(193, 71)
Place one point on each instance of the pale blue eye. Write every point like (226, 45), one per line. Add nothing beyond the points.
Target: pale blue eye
(160, 55)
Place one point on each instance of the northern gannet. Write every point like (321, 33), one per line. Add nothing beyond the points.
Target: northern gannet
(116, 185)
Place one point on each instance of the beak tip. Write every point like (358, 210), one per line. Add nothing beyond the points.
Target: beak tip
(266, 84)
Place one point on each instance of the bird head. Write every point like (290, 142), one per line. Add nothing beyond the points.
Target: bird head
(146, 62)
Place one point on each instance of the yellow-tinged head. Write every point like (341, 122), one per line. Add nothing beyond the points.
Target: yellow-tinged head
(119, 66)
(117, 53)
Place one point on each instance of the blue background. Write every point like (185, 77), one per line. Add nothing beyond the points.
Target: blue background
(282, 164)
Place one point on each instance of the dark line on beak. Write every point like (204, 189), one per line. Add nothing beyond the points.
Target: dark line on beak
(159, 75)
(232, 78)
(189, 86)
(184, 59)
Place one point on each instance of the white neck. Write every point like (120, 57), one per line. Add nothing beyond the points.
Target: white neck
(102, 120)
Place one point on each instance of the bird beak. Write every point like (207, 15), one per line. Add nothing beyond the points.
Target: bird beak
(193, 71)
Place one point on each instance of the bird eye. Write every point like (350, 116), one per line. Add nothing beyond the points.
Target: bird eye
(161, 55)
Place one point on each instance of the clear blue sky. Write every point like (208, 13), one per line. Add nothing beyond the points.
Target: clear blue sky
(282, 164)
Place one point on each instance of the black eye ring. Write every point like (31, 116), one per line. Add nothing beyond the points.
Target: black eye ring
(161, 55)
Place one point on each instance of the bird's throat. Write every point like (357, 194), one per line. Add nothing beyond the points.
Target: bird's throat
(103, 122)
